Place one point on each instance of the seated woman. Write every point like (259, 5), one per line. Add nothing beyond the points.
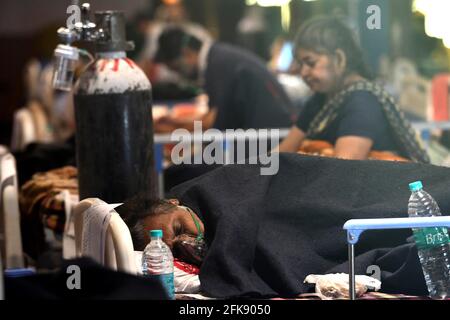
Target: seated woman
(348, 110)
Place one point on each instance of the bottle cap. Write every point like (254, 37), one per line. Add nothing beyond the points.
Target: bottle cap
(415, 186)
(156, 233)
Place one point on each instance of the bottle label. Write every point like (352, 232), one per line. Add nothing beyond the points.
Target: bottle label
(167, 281)
(430, 237)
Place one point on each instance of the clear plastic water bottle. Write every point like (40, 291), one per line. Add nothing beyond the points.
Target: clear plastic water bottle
(157, 262)
(433, 244)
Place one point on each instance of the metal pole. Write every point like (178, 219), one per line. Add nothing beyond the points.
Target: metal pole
(351, 274)
(161, 186)
(159, 165)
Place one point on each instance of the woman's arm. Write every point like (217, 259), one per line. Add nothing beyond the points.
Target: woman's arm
(353, 148)
(292, 142)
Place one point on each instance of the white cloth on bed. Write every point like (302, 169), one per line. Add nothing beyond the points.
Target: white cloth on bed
(336, 285)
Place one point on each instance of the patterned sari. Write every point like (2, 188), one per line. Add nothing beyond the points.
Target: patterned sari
(405, 137)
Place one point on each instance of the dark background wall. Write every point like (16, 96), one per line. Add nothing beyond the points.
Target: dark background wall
(27, 29)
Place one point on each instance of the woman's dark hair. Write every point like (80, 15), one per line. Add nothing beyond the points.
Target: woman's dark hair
(134, 210)
(171, 43)
(325, 35)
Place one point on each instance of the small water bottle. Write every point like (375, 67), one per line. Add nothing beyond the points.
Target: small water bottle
(433, 244)
(157, 262)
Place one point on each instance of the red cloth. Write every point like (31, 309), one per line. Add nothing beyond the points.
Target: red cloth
(439, 91)
(186, 267)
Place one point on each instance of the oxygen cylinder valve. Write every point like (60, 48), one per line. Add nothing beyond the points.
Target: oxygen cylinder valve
(66, 55)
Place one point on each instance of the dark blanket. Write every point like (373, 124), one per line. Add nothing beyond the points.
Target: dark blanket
(267, 233)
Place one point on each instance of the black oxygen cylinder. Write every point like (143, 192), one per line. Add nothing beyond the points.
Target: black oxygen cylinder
(114, 131)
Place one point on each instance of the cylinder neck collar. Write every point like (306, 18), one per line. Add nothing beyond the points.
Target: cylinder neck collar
(111, 55)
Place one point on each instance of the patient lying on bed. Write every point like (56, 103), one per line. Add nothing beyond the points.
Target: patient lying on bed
(182, 228)
(266, 234)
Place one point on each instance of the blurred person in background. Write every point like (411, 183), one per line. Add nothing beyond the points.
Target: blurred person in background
(150, 24)
(242, 92)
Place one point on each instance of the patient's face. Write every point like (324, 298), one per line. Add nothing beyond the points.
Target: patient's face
(173, 223)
